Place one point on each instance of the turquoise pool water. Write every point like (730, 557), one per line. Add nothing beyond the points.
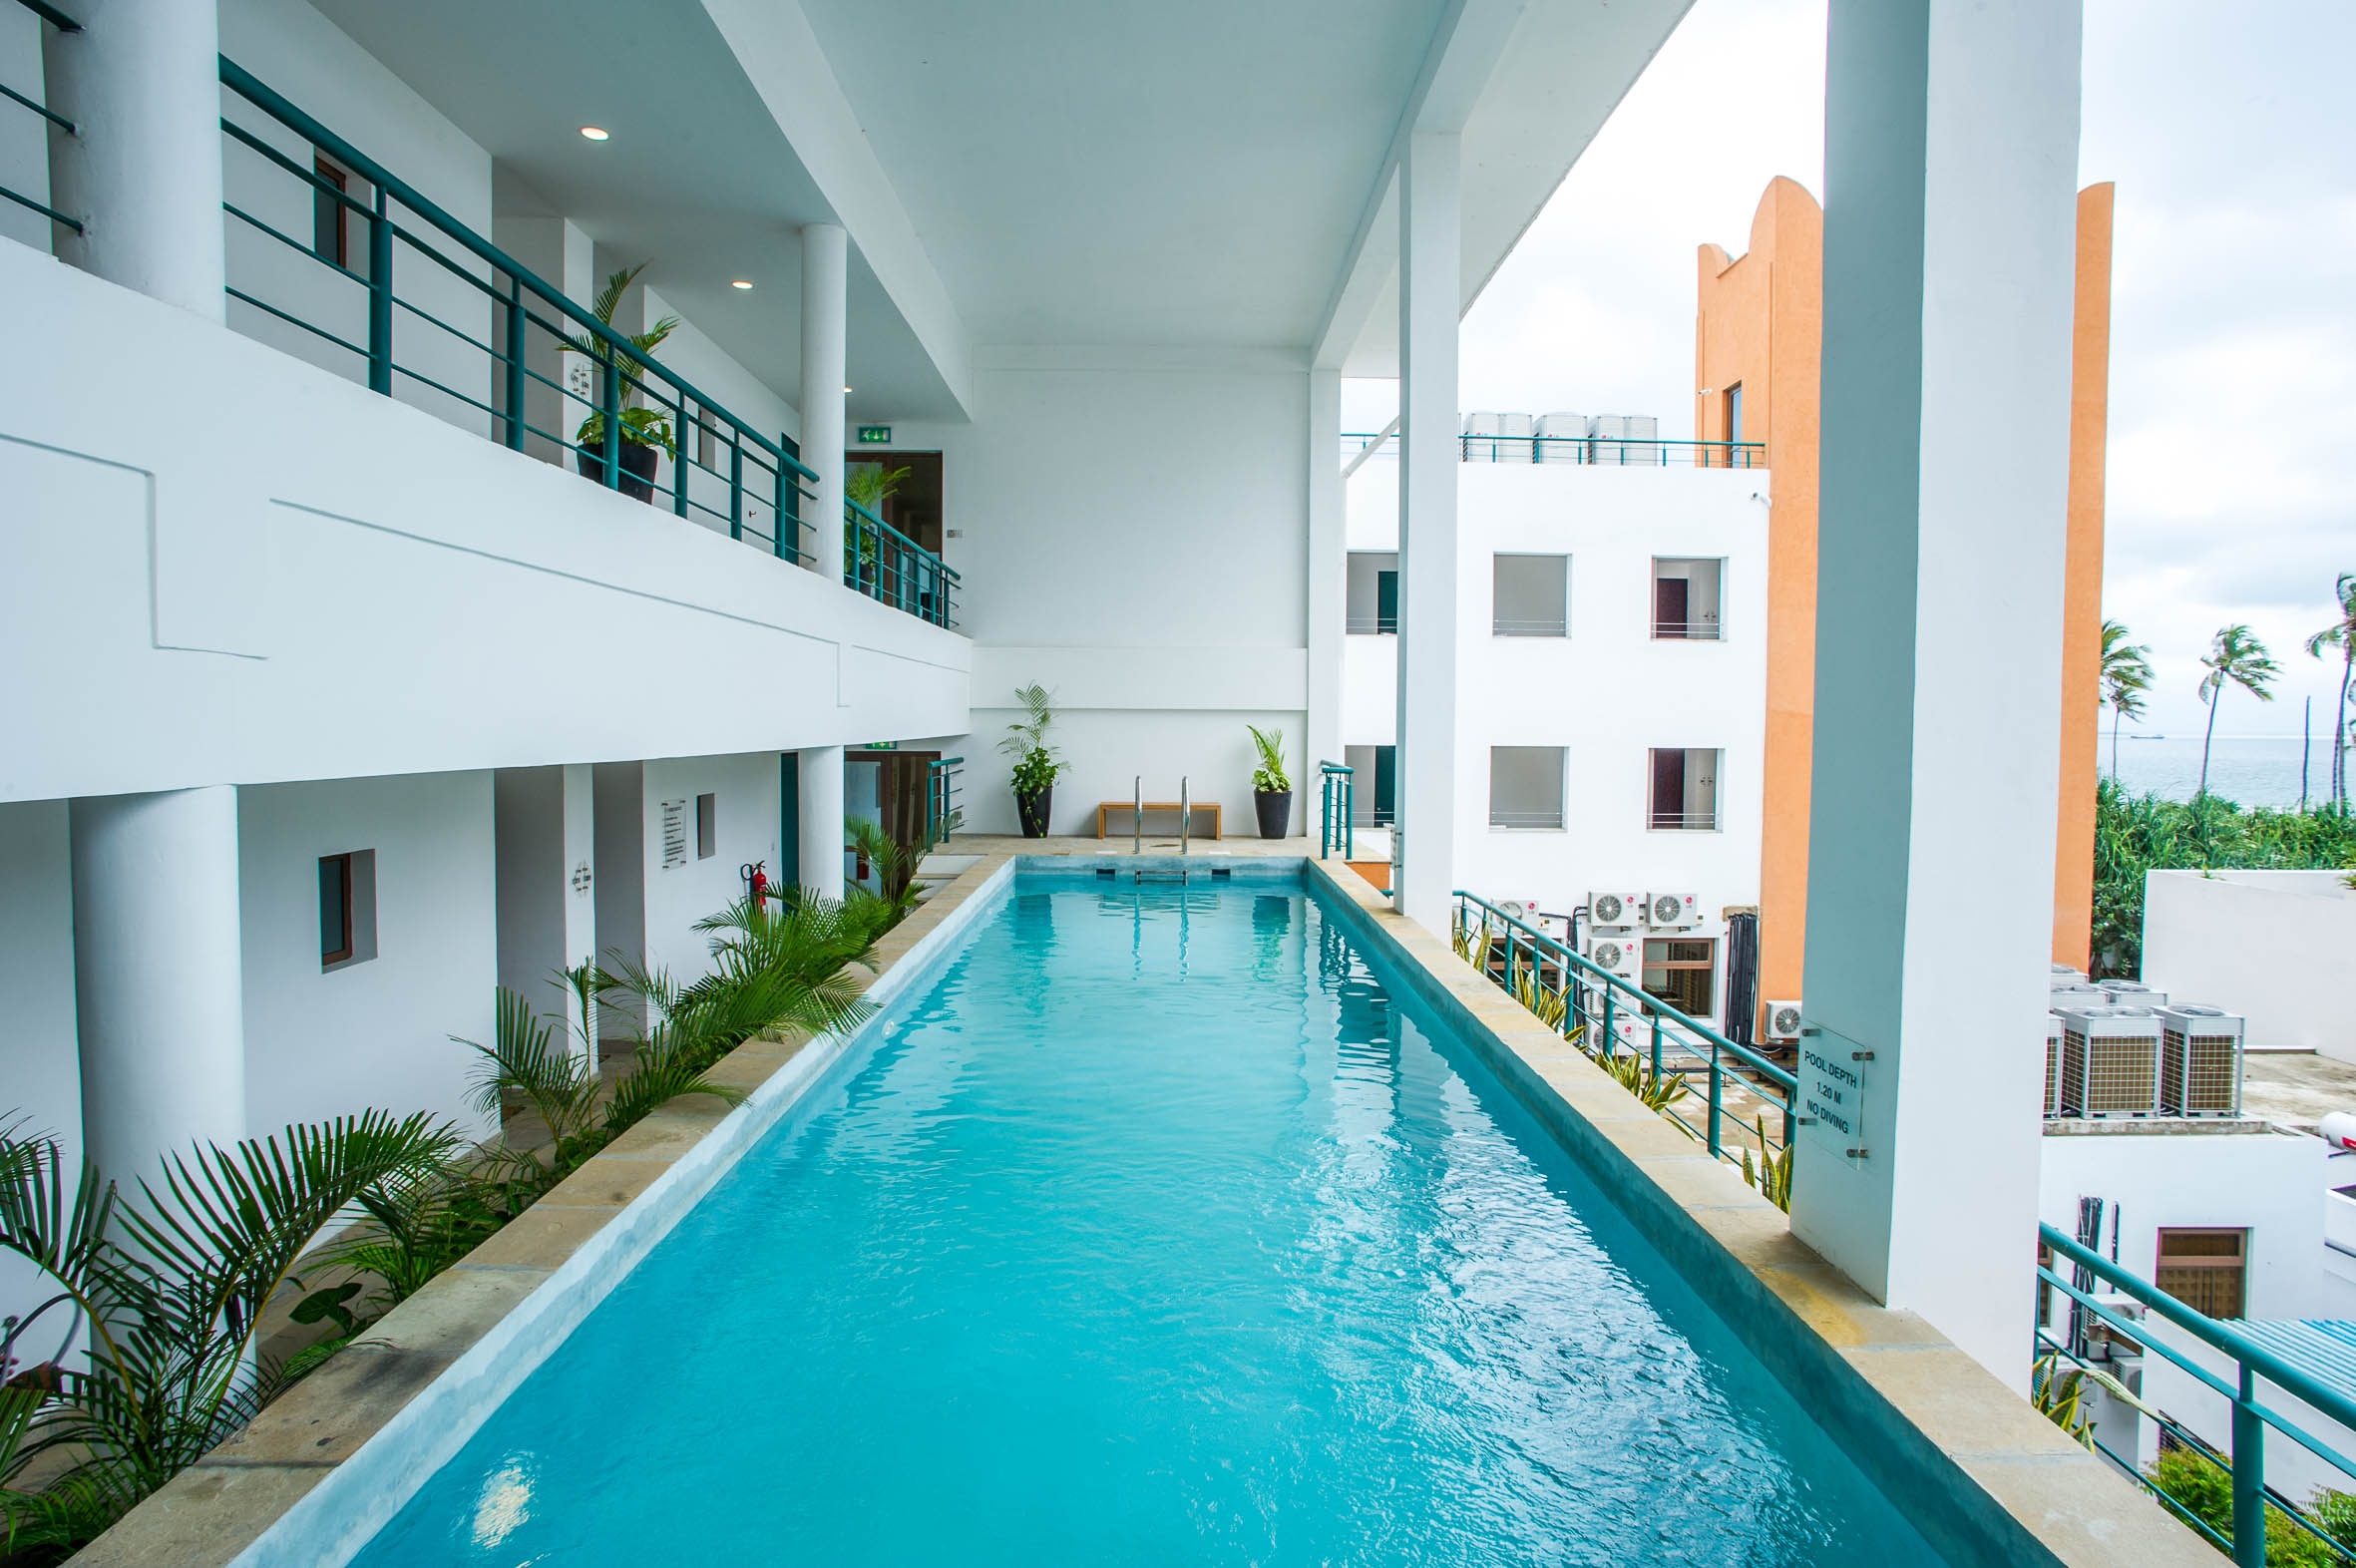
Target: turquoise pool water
(1157, 1229)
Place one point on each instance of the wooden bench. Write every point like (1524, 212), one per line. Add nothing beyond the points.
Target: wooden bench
(1105, 808)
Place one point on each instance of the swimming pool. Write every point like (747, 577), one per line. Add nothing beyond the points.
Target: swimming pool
(1161, 1224)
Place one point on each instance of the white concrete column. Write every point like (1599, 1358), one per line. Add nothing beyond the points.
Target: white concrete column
(820, 778)
(1429, 305)
(1951, 151)
(826, 294)
(158, 979)
(142, 84)
(1329, 569)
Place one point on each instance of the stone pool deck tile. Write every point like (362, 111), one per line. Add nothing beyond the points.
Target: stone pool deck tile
(214, 1509)
(2076, 1506)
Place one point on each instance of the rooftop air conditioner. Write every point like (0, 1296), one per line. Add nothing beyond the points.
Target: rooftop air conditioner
(1610, 433)
(1562, 438)
(1620, 955)
(1617, 910)
(2064, 975)
(1516, 447)
(1783, 1021)
(1643, 432)
(2131, 994)
(2077, 996)
(1482, 425)
(2199, 1062)
(1672, 911)
(2110, 1062)
(2053, 1065)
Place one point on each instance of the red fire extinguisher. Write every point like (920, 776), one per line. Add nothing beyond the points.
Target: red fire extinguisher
(756, 879)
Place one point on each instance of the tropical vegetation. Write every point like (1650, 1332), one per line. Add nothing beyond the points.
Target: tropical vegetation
(1270, 777)
(2340, 635)
(2236, 657)
(154, 1301)
(2125, 675)
(647, 427)
(1036, 763)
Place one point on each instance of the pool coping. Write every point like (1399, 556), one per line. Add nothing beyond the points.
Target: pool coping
(1970, 1463)
(1921, 1416)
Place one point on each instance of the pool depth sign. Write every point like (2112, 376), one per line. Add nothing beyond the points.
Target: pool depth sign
(1831, 1096)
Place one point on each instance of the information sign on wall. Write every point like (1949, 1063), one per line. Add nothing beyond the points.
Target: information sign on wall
(1833, 1080)
(875, 435)
(674, 834)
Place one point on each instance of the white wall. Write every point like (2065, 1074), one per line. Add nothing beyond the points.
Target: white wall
(1135, 536)
(2272, 946)
(1608, 693)
(288, 577)
(371, 1034)
(678, 895)
(40, 1071)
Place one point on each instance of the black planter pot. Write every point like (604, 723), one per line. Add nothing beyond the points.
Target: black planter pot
(1276, 812)
(1033, 810)
(638, 468)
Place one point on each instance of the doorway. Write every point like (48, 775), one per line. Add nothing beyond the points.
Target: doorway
(914, 506)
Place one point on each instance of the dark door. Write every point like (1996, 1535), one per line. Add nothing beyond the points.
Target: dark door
(789, 819)
(1669, 607)
(1668, 788)
(1385, 782)
(1387, 602)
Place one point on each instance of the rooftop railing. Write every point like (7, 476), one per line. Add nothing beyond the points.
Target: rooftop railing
(53, 19)
(1611, 1019)
(891, 569)
(386, 286)
(1583, 451)
(2096, 1321)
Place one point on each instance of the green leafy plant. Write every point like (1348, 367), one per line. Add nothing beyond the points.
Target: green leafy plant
(1657, 1090)
(1547, 1006)
(895, 866)
(872, 483)
(1270, 776)
(1772, 1174)
(1036, 765)
(2340, 635)
(2236, 657)
(2204, 1488)
(639, 426)
(2126, 676)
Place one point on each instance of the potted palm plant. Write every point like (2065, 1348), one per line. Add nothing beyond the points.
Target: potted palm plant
(1272, 790)
(644, 432)
(1035, 762)
(870, 484)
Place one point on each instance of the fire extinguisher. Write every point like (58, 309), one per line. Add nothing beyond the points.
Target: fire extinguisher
(756, 879)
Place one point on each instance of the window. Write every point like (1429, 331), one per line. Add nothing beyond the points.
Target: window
(707, 826)
(1373, 792)
(1684, 789)
(1734, 412)
(1525, 786)
(328, 228)
(347, 909)
(1371, 596)
(1532, 595)
(1682, 971)
(2204, 1268)
(1686, 598)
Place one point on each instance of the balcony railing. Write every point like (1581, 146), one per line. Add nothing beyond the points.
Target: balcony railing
(400, 308)
(891, 569)
(2097, 1321)
(1683, 821)
(943, 786)
(25, 103)
(1337, 809)
(1583, 451)
(1542, 818)
(1687, 631)
(1611, 1019)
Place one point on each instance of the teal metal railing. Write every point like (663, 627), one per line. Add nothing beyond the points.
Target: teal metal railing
(891, 569)
(410, 255)
(1338, 787)
(1586, 450)
(2254, 1502)
(57, 21)
(1608, 1018)
(941, 788)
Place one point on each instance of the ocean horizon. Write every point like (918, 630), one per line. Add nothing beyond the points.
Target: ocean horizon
(2249, 770)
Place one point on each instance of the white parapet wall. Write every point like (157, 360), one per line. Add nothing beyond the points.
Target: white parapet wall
(2272, 946)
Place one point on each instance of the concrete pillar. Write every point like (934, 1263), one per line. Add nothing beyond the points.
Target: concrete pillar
(1329, 570)
(1430, 304)
(1951, 143)
(558, 250)
(826, 294)
(820, 774)
(142, 84)
(158, 979)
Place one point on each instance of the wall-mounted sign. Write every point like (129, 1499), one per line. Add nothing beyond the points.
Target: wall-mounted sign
(1833, 1080)
(674, 834)
(879, 745)
(875, 435)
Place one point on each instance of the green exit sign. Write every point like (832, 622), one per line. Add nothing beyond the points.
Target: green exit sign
(875, 435)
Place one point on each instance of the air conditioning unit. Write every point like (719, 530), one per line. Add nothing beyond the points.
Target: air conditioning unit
(1616, 909)
(2110, 1062)
(1523, 910)
(2064, 975)
(2131, 994)
(2053, 1065)
(1516, 447)
(2077, 996)
(1562, 438)
(2199, 1060)
(1672, 911)
(1643, 427)
(1610, 432)
(1783, 1022)
(1484, 424)
(1615, 955)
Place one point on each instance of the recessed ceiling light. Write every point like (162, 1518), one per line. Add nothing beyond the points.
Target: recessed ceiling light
(740, 282)
(597, 133)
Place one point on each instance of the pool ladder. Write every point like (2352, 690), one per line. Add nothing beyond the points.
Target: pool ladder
(1137, 829)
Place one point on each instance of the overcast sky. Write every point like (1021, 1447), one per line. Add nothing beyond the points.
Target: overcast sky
(2233, 326)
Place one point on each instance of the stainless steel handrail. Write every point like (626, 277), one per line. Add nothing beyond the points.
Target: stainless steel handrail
(1185, 815)
(1137, 817)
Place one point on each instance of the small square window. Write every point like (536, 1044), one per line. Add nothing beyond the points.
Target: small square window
(2207, 1270)
(1531, 595)
(1686, 595)
(1525, 786)
(707, 826)
(347, 909)
(1684, 789)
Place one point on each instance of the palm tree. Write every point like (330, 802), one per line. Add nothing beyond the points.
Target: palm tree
(2126, 675)
(2340, 635)
(2236, 655)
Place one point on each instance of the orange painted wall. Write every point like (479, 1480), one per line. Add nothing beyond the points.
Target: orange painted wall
(1758, 322)
(2082, 603)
